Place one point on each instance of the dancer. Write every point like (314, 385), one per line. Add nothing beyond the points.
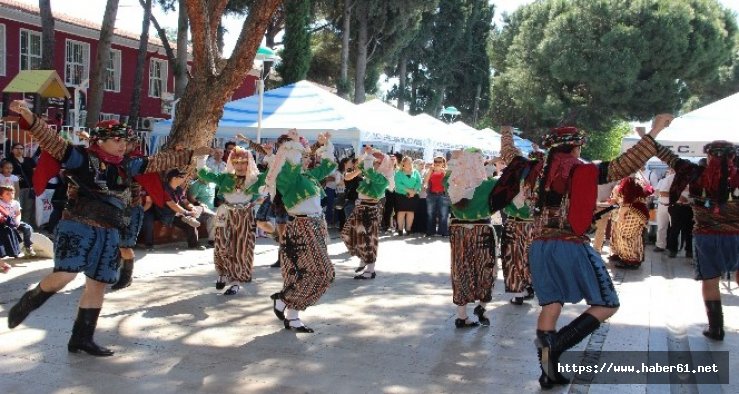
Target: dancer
(235, 231)
(564, 267)
(306, 267)
(519, 231)
(715, 193)
(471, 235)
(627, 241)
(87, 237)
(361, 231)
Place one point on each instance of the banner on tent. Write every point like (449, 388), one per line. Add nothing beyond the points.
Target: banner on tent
(683, 148)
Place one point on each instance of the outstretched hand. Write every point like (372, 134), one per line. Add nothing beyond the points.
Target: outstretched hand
(242, 137)
(660, 122)
(19, 106)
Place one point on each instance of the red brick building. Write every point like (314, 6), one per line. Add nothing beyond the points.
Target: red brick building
(75, 51)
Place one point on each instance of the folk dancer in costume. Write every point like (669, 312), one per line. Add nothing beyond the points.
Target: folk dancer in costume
(564, 267)
(714, 190)
(235, 231)
(471, 235)
(88, 235)
(519, 230)
(361, 230)
(306, 267)
(627, 241)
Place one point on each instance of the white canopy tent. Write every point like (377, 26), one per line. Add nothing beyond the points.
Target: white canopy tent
(302, 105)
(688, 133)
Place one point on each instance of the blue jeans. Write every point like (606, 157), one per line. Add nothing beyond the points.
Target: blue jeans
(349, 208)
(329, 200)
(437, 208)
(25, 229)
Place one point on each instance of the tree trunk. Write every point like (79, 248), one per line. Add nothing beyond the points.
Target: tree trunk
(97, 77)
(413, 106)
(47, 43)
(343, 88)
(138, 81)
(201, 106)
(47, 40)
(276, 24)
(403, 76)
(477, 104)
(361, 64)
(180, 72)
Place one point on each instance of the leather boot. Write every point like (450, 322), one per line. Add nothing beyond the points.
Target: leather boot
(124, 280)
(30, 301)
(571, 334)
(715, 314)
(83, 331)
(545, 342)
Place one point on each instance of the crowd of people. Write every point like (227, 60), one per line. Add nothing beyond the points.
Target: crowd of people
(533, 212)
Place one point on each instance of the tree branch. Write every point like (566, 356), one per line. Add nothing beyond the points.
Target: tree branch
(203, 63)
(163, 38)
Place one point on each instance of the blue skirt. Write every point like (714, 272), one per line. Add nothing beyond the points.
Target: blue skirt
(131, 232)
(564, 271)
(715, 255)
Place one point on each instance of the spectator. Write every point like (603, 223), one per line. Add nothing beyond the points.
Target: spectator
(6, 175)
(203, 194)
(437, 200)
(330, 190)
(23, 167)
(407, 187)
(419, 223)
(227, 150)
(177, 212)
(11, 217)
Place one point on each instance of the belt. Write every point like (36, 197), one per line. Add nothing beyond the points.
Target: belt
(311, 216)
(481, 221)
(369, 202)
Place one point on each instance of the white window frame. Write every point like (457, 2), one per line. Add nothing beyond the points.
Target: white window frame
(3, 51)
(162, 78)
(115, 79)
(30, 56)
(85, 63)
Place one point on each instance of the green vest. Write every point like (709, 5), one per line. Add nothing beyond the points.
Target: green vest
(478, 208)
(297, 185)
(227, 182)
(373, 184)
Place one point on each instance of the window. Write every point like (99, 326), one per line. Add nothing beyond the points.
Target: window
(3, 56)
(76, 62)
(30, 50)
(157, 77)
(113, 71)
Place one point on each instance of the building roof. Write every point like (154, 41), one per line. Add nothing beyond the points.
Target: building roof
(62, 17)
(43, 82)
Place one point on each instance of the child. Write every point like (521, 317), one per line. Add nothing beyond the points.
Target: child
(6, 174)
(11, 207)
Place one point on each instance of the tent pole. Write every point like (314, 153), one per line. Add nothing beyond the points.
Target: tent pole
(260, 91)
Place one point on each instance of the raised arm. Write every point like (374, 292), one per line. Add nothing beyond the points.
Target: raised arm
(50, 141)
(635, 157)
(508, 149)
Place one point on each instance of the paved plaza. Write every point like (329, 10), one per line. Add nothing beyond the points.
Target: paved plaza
(174, 333)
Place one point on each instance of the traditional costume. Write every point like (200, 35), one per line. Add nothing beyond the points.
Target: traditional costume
(627, 241)
(714, 190)
(564, 267)
(307, 270)
(361, 230)
(88, 234)
(235, 226)
(471, 235)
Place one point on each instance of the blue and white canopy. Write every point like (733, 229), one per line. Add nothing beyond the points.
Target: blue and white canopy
(302, 105)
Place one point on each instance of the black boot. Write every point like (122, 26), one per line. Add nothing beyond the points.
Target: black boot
(30, 301)
(84, 329)
(545, 342)
(715, 314)
(124, 280)
(571, 334)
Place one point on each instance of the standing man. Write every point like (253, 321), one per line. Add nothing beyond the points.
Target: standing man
(663, 214)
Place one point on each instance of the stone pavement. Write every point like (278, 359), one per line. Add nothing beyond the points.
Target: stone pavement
(174, 333)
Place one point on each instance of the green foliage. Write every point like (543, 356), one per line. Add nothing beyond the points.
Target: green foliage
(606, 145)
(325, 64)
(587, 62)
(296, 56)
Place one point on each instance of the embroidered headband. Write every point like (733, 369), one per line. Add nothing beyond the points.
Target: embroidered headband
(564, 136)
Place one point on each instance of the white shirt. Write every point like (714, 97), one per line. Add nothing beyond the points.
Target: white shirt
(13, 208)
(332, 184)
(8, 180)
(664, 186)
